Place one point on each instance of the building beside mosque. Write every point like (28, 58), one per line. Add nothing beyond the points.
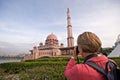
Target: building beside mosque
(116, 51)
(52, 48)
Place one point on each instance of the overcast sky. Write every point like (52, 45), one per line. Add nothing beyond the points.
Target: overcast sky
(25, 23)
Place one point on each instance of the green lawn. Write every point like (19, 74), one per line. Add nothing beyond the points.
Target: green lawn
(49, 68)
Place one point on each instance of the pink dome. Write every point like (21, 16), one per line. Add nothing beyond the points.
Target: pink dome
(51, 36)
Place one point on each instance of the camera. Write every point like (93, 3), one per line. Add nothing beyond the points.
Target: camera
(75, 48)
(77, 51)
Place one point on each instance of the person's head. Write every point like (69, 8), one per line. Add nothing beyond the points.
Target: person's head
(88, 42)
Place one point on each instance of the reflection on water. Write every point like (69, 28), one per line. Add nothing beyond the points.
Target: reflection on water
(9, 60)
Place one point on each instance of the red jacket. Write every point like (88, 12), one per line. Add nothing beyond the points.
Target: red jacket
(75, 71)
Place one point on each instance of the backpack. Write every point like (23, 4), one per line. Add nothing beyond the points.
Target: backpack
(113, 74)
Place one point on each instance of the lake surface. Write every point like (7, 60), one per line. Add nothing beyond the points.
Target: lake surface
(9, 60)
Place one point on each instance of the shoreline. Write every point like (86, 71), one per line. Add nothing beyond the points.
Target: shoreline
(9, 60)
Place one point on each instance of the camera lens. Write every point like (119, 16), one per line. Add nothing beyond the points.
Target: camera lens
(77, 51)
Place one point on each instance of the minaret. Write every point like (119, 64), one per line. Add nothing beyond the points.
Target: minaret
(70, 39)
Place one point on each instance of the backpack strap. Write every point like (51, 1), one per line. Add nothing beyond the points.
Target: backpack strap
(96, 67)
(113, 74)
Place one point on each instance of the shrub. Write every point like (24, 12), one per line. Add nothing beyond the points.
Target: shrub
(39, 69)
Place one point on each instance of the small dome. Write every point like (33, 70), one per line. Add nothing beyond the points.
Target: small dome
(35, 47)
(41, 44)
(51, 36)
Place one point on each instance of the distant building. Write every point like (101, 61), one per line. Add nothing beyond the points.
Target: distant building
(116, 51)
(51, 46)
(118, 40)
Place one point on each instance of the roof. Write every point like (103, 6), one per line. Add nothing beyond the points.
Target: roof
(51, 36)
(115, 52)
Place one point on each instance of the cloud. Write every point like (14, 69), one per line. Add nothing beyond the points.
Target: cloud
(12, 48)
(104, 22)
(30, 22)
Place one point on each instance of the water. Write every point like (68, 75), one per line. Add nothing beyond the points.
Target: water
(9, 60)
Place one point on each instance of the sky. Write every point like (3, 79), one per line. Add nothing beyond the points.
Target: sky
(26, 23)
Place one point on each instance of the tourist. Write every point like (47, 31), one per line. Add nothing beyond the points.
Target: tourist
(88, 46)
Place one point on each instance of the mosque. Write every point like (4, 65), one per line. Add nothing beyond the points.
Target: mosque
(51, 48)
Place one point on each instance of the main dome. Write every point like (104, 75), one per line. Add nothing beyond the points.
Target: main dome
(51, 36)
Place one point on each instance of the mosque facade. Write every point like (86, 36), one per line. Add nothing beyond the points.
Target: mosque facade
(52, 48)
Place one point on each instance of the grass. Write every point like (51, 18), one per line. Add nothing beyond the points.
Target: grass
(39, 69)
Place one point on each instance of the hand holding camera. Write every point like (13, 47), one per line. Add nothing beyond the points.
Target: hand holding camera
(75, 52)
